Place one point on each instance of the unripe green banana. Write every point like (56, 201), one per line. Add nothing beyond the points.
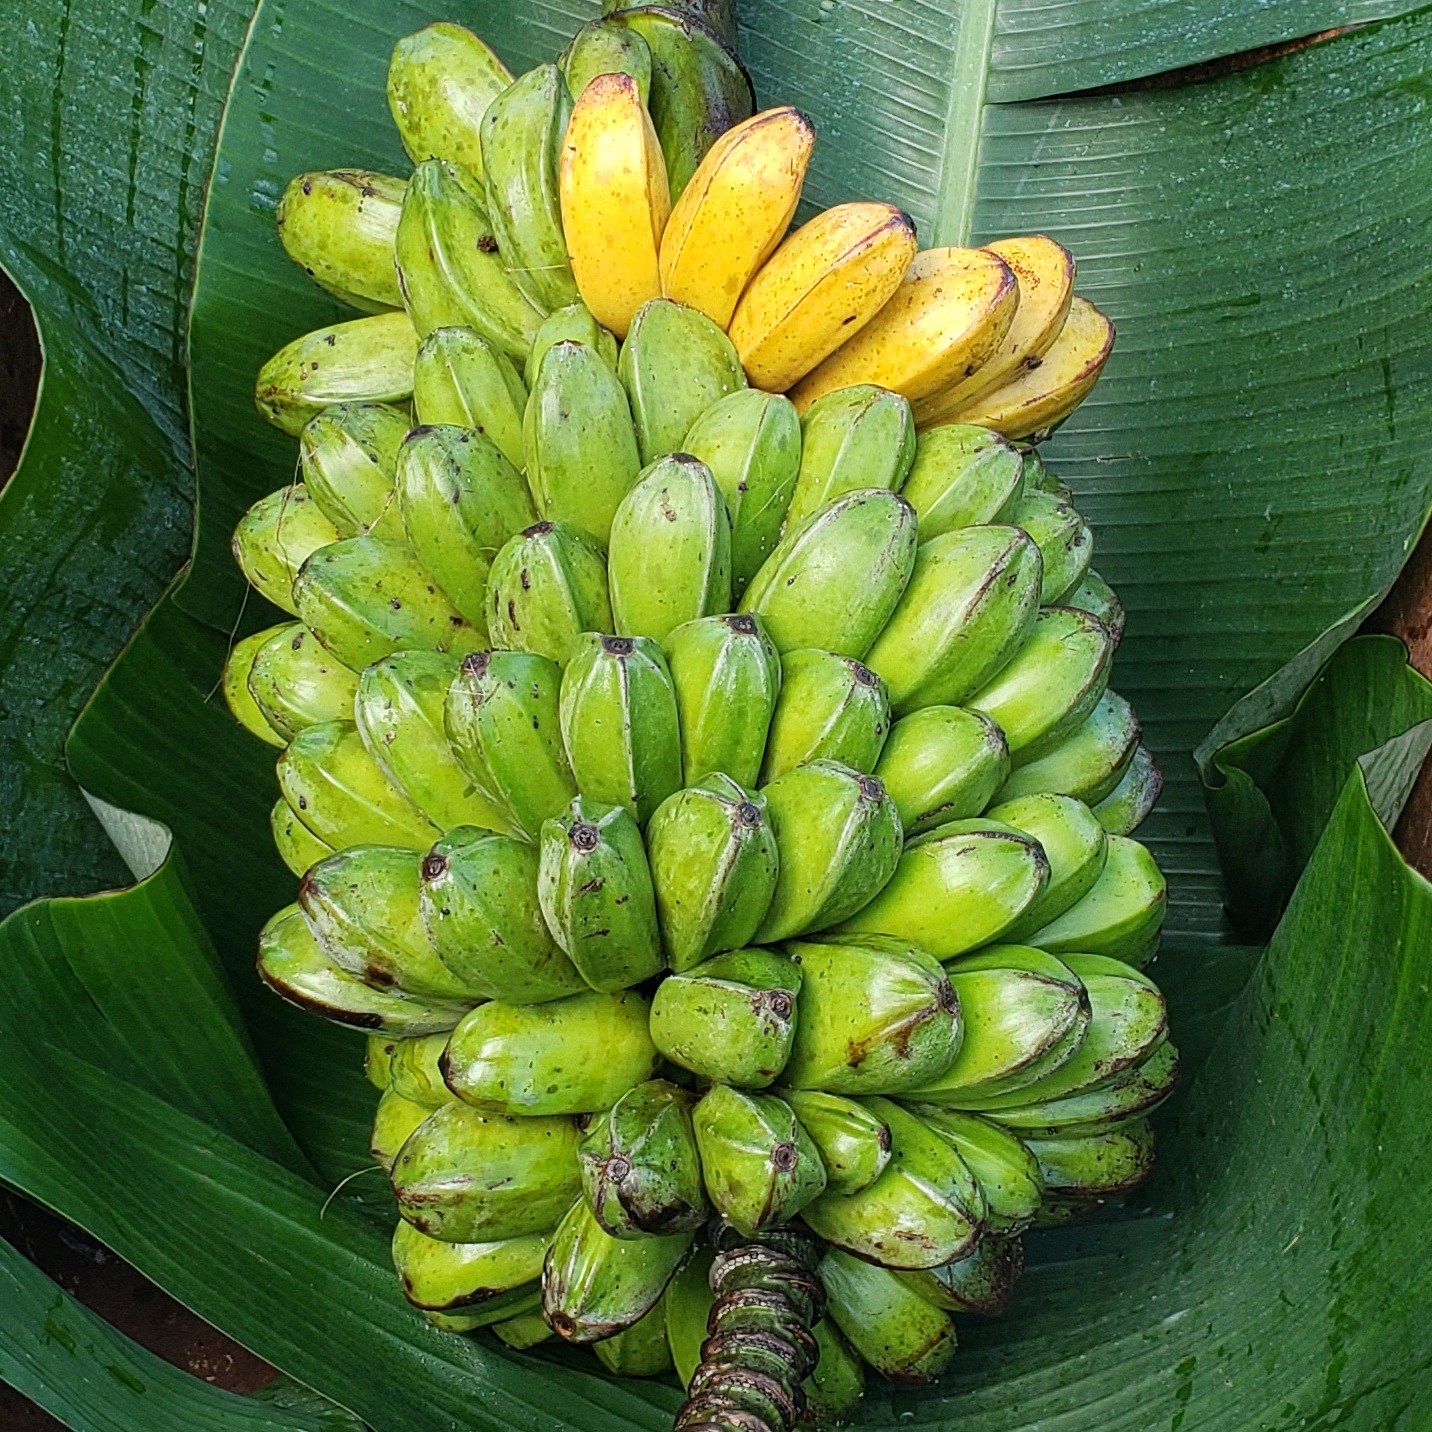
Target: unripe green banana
(378, 1052)
(877, 1017)
(415, 1070)
(329, 779)
(523, 1331)
(602, 48)
(830, 708)
(890, 1325)
(298, 847)
(491, 1278)
(572, 324)
(394, 1122)
(838, 839)
(751, 441)
(460, 378)
(641, 1170)
(449, 267)
(1007, 1173)
(237, 696)
(981, 1283)
(1126, 807)
(441, 80)
(546, 587)
(956, 888)
(366, 360)
(292, 964)
(1064, 539)
(761, 1168)
(365, 598)
(963, 476)
(687, 1307)
(579, 440)
(1121, 916)
(1052, 684)
(502, 723)
(275, 537)
(1089, 763)
(925, 1209)
(522, 135)
(479, 906)
(727, 675)
(836, 1388)
(349, 453)
(670, 549)
(1096, 596)
(854, 1142)
(400, 712)
(569, 1056)
(713, 866)
(594, 887)
(941, 763)
(971, 604)
(853, 438)
(730, 1019)
(675, 363)
(834, 580)
(468, 1177)
(338, 227)
(362, 906)
(1073, 842)
(295, 683)
(594, 1285)
(1096, 1166)
(638, 1351)
(620, 723)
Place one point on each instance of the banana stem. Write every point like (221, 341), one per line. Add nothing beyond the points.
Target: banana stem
(717, 15)
(761, 1348)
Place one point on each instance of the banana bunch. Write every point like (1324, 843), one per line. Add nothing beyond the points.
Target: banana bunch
(696, 749)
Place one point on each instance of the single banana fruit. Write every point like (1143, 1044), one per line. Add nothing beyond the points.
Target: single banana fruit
(601, 47)
(338, 227)
(460, 378)
(349, 454)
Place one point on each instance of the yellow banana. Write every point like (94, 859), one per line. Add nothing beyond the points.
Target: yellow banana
(735, 210)
(615, 200)
(824, 284)
(1045, 271)
(949, 315)
(1041, 397)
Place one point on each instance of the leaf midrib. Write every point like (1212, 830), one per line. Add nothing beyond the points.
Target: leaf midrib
(964, 121)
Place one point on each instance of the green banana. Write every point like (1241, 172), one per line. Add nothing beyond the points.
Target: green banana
(1007, 1173)
(594, 887)
(963, 476)
(444, 1277)
(378, 1052)
(394, 1123)
(731, 1019)
(1089, 763)
(641, 1170)
(687, 1309)
(1096, 596)
(298, 847)
(972, 602)
(523, 1331)
(469, 1177)
(365, 598)
(899, 1333)
(594, 1285)
(941, 763)
(1126, 807)
(503, 725)
(275, 537)
(1095, 1166)
(877, 1017)
(1052, 684)
(1037, 477)
(727, 676)
(852, 438)
(751, 442)
(983, 1282)
(713, 867)
(838, 843)
(834, 580)
(926, 1208)
(670, 549)
(329, 779)
(602, 48)
(578, 436)
(830, 708)
(854, 1142)
(1064, 539)
(1073, 842)
(479, 906)
(572, 324)
(546, 587)
(348, 454)
(522, 134)
(620, 723)
(716, 15)
(449, 267)
(366, 360)
(292, 964)
(640, 1350)
(338, 227)
(237, 696)
(461, 379)
(836, 1387)
(675, 363)
(761, 1167)
(569, 1056)
(415, 1070)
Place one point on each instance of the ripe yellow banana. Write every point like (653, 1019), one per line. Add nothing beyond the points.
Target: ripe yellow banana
(949, 315)
(1045, 271)
(824, 284)
(735, 210)
(615, 200)
(1041, 397)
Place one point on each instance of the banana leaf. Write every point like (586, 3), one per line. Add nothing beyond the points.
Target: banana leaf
(1256, 466)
